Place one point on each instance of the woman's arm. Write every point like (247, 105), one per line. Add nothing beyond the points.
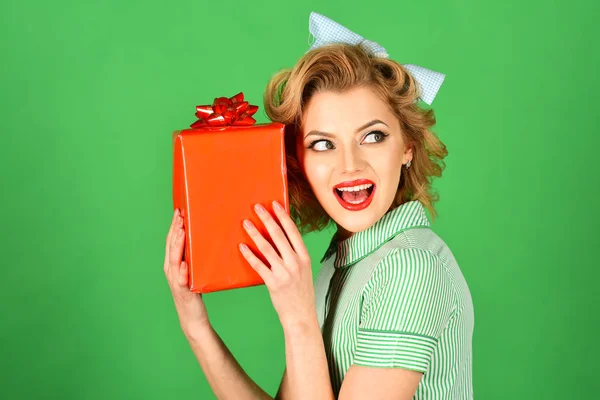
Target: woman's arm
(379, 383)
(359, 383)
(307, 374)
(224, 374)
(290, 285)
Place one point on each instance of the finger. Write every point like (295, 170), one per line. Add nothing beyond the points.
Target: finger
(183, 274)
(172, 228)
(173, 223)
(169, 235)
(291, 230)
(279, 238)
(176, 250)
(263, 245)
(262, 270)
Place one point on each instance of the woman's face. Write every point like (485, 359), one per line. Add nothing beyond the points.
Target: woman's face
(352, 151)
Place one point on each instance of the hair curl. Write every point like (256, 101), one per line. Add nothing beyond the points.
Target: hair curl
(340, 67)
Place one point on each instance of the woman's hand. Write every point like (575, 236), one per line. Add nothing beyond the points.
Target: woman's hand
(190, 307)
(289, 280)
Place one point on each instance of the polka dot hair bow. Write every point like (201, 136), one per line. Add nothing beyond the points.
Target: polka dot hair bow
(326, 31)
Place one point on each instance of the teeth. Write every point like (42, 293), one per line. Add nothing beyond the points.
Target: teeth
(355, 188)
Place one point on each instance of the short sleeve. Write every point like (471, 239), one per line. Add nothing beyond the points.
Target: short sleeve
(407, 303)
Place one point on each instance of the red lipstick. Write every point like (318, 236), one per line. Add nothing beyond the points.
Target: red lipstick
(350, 206)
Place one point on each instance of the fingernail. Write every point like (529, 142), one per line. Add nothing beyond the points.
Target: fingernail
(247, 224)
(259, 209)
(243, 247)
(277, 206)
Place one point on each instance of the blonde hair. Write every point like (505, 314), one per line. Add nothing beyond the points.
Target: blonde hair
(340, 67)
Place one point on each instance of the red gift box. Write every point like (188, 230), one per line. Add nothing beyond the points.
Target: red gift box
(221, 168)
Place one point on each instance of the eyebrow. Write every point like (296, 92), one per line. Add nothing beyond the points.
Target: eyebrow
(331, 135)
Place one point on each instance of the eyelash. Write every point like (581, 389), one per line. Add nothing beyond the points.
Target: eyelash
(312, 144)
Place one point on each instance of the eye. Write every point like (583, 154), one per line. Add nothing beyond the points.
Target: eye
(380, 136)
(317, 145)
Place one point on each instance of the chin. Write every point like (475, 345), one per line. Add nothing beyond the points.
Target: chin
(356, 221)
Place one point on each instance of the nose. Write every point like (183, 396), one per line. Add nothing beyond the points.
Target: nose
(351, 159)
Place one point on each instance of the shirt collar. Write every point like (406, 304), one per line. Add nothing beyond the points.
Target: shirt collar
(348, 251)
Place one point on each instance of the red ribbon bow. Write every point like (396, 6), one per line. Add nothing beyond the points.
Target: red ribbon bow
(224, 111)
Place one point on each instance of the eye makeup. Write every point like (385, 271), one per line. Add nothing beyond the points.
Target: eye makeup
(383, 137)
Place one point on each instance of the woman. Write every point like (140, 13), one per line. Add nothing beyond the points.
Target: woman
(390, 316)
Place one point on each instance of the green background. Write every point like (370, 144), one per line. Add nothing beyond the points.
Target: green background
(91, 91)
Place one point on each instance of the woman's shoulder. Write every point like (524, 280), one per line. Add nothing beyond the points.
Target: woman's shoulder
(414, 257)
(420, 259)
(414, 283)
(403, 261)
(423, 243)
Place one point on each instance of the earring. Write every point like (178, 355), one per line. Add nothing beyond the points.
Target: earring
(408, 165)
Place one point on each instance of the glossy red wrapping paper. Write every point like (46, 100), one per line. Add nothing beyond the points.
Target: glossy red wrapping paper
(219, 173)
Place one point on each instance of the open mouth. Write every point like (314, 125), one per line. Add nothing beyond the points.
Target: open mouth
(355, 197)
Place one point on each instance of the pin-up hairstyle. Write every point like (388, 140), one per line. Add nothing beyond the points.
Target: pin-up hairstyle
(340, 67)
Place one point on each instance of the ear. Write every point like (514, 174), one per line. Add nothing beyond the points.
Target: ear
(408, 154)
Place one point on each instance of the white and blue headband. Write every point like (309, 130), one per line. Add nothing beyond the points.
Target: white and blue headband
(325, 31)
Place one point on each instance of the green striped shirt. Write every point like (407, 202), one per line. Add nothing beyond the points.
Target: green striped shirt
(393, 296)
